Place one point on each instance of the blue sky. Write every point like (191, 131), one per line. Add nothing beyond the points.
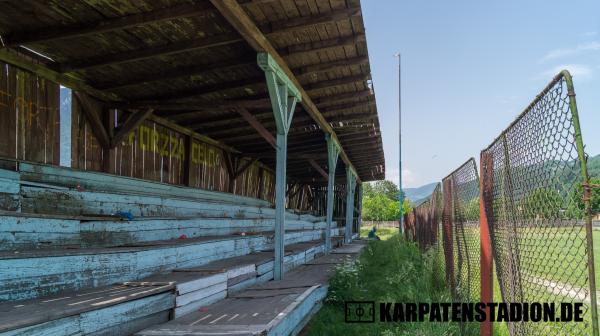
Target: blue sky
(469, 68)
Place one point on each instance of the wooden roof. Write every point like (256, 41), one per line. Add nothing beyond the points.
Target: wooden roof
(194, 63)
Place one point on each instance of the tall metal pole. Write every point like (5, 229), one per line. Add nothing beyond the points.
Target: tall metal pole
(400, 137)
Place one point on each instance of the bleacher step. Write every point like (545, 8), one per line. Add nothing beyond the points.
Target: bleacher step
(274, 308)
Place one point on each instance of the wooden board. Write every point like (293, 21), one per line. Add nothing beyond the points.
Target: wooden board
(184, 282)
(21, 314)
(275, 307)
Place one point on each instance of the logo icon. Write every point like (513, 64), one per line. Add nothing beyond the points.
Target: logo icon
(360, 311)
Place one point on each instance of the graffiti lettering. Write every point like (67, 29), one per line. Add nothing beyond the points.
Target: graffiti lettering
(160, 143)
(202, 154)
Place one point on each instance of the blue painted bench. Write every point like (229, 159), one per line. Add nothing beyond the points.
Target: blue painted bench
(20, 231)
(96, 181)
(127, 308)
(35, 273)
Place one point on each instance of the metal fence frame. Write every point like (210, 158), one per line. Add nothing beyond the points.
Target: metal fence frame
(440, 222)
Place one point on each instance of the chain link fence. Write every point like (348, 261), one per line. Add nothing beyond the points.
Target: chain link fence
(462, 193)
(540, 228)
(536, 203)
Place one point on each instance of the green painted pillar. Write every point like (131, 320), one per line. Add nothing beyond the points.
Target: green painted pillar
(333, 152)
(284, 96)
(350, 188)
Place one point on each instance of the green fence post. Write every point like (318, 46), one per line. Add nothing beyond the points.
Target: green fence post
(586, 197)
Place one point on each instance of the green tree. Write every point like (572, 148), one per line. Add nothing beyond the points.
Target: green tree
(387, 188)
(576, 207)
(541, 203)
(380, 201)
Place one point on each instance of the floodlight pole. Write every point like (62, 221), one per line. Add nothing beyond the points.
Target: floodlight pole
(400, 140)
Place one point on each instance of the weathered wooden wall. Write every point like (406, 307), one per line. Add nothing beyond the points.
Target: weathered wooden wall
(29, 116)
(30, 126)
(157, 152)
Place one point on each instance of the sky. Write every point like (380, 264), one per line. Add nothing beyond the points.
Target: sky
(469, 68)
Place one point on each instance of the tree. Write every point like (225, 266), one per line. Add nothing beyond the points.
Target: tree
(388, 188)
(542, 203)
(380, 202)
(576, 208)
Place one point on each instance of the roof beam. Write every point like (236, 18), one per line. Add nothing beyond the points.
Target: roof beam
(11, 57)
(265, 120)
(288, 25)
(222, 66)
(179, 108)
(318, 168)
(215, 41)
(259, 81)
(92, 110)
(132, 122)
(336, 82)
(165, 74)
(342, 63)
(140, 54)
(342, 97)
(262, 130)
(104, 25)
(321, 46)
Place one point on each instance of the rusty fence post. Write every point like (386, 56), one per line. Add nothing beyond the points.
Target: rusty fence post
(447, 229)
(487, 277)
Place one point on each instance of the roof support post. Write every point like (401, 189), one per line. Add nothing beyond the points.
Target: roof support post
(284, 96)
(359, 199)
(333, 152)
(350, 188)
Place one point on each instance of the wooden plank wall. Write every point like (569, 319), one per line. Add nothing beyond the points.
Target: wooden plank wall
(30, 131)
(29, 116)
(156, 152)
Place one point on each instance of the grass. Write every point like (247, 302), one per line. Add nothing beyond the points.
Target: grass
(384, 233)
(390, 270)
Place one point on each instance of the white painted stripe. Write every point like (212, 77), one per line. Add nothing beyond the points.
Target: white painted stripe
(254, 315)
(202, 319)
(58, 299)
(84, 301)
(217, 319)
(234, 316)
(120, 298)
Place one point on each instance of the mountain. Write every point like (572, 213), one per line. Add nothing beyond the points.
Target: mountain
(417, 195)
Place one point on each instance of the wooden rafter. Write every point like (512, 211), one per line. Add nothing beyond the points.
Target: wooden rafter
(163, 50)
(328, 66)
(215, 41)
(318, 168)
(342, 97)
(92, 110)
(336, 82)
(10, 56)
(166, 74)
(320, 46)
(252, 82)
(258, 126)
(198, 70)
(104, 25)
(131, 123)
